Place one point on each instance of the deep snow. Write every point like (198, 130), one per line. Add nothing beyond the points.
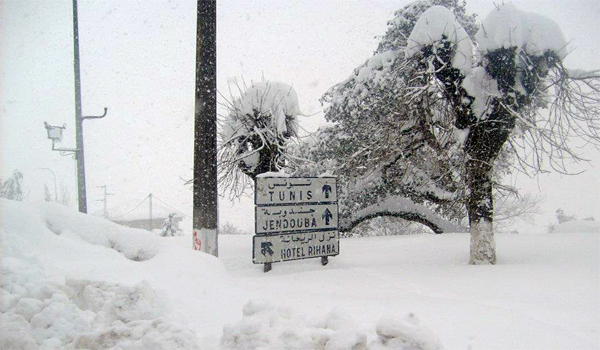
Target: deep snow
(74, 280)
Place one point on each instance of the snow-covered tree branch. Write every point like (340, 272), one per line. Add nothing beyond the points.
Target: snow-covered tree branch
(518, 70)
(442, 111)
(256, 134)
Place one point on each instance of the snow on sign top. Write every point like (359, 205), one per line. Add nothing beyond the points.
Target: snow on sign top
(295, 190)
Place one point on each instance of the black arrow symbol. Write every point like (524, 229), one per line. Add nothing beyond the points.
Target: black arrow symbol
(265, 247)
(327, 216)
(326, 189)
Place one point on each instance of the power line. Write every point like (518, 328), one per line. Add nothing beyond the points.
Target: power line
(170, 206)
(129, 212)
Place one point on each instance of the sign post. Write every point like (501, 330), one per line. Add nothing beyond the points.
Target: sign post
(295, 218)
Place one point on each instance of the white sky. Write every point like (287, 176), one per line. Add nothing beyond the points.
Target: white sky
(137, 59)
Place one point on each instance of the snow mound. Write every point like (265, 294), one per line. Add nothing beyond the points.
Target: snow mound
(506, 27)
(405, 333)
(264, 326)
(35, 221)
(75, 281)
(577, 226)
(80, 314)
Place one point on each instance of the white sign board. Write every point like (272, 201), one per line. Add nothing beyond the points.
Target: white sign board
(294, 190)
(295, 246)
(296, 218)
(288, 218)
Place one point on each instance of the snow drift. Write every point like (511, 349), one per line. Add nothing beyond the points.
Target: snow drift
(71, 280)
(75, 281)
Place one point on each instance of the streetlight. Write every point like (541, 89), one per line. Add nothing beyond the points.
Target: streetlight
(55, 132)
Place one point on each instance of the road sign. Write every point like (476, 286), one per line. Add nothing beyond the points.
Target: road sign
(295, 246)
(290, 218)
(295, 218)
(294, 190)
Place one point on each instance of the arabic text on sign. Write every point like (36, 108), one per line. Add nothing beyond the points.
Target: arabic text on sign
(295, 190)
(296, 218)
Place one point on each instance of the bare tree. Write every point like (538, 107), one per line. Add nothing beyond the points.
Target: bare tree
(513, 208)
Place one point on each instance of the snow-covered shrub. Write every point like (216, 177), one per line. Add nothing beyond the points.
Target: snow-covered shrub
(255, 134)
(562, 217)
(231, 229)
(389, 226)
(12, 188)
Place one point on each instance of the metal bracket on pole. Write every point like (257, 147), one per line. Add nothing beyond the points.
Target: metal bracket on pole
(68, 152)
(96, 117)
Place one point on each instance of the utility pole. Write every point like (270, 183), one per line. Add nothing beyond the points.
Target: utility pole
(105, 211)
(81, 196)
(205, 211)
(150, 212)
(81, 188)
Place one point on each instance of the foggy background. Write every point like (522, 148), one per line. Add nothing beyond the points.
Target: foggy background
(138, 59)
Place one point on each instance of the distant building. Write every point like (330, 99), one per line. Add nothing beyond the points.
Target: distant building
(140, 217)
(157, 222)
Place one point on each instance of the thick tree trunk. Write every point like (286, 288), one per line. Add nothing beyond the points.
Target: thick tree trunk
(480, 208)
(483, 145)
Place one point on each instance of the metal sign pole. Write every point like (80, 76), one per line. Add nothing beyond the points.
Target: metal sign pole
(81, 190)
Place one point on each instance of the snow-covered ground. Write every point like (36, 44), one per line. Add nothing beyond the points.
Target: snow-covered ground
(77, 281)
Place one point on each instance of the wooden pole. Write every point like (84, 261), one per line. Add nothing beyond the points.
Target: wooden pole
(205, 212)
